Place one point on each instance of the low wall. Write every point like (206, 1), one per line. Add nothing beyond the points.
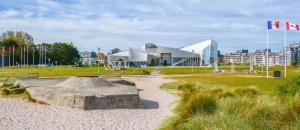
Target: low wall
(94, 102)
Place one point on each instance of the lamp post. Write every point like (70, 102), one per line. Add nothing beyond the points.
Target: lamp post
(98, 61)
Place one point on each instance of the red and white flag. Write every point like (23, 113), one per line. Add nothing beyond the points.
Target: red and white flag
(291, 26)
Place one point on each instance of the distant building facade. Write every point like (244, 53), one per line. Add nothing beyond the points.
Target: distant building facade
(239, 57)
(229, 58)
(220, 58)
(88, 58)
(101, 58)
(202, 53)
(292, 53)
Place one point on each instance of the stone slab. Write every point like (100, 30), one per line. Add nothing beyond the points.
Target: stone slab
(83, 92)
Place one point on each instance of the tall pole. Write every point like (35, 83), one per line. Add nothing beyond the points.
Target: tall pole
(2, 56)
(267, 53)
(24, 59)
(45, 49)
(40, 54)
(27, 55)
(98, 58)
(32, 56)
(9, 56)
(13, 56)
(21, 59)
(285, 53)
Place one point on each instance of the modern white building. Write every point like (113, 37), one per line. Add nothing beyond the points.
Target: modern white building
(198, 54)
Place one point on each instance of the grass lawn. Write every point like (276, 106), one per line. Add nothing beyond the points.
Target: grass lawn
(235, 101)
(238, 68)
(70, 71)
(258, 81)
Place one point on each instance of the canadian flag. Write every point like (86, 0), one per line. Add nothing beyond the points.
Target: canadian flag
(291, 26)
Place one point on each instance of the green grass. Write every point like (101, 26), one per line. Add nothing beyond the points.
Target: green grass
(70, 71)
(258, 81)
(211, 106)
(235, 101)
(16, 93)
(238, 68)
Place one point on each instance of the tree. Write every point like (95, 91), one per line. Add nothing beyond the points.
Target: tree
(22, 38)
(18, 40)
(9, 42)
(64, 53)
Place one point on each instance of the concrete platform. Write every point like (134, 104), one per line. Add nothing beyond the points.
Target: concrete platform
(83, 92)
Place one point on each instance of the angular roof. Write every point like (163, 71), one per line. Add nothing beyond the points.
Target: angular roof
(198, 47)
(122, 53)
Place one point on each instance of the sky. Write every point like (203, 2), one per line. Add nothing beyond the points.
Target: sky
(89, 24)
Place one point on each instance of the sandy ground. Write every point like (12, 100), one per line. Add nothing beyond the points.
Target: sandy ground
(16, 114)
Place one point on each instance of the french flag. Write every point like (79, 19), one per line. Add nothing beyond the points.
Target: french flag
(273, 24)
(291, 26)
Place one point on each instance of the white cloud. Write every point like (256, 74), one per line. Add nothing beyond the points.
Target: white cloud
(111, 24)
(9, 13)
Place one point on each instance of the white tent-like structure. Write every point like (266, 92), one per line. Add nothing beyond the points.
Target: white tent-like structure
(208, 50)
(201, 53)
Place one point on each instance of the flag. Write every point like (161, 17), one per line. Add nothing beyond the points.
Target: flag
(291, 26)
(273, 24)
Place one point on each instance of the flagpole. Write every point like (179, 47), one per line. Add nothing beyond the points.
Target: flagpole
(42, 50)
(13, 55)
(285, 51)
(9, 56)
(27, 55)
(24, 59)
(40, 54)
(21, 56)
(267, 53)
(2, 56)
(33, 56)
(45, 55)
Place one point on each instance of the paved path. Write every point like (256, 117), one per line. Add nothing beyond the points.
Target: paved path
(156, 71)
(16, 114)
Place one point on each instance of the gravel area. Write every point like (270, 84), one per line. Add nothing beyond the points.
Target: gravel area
(16, 114)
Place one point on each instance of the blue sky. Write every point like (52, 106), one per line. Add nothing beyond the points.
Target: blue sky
(234, 24)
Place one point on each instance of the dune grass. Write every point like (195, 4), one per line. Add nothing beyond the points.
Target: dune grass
(235, 101)
(70, 71)
(211, 106)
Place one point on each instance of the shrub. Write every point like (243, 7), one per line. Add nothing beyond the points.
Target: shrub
(289, 88)
(296, 103)
(187, 87)
(246, 91)
(225, 94)
(201, 103)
